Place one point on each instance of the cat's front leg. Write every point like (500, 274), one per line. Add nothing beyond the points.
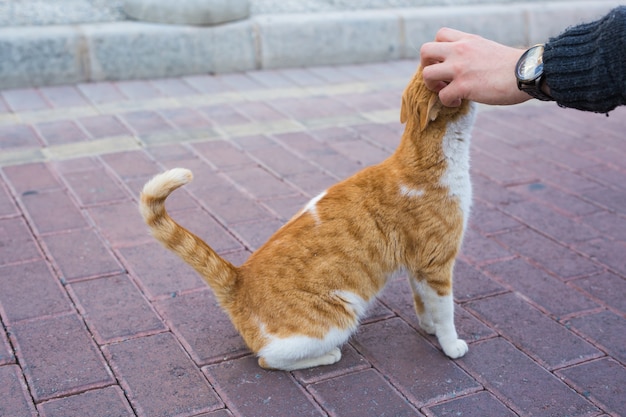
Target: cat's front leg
(436, 316)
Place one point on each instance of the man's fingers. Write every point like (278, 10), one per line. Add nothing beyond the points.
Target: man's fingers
(449, 35)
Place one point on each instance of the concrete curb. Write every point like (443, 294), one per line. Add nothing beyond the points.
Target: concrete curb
(53, 55)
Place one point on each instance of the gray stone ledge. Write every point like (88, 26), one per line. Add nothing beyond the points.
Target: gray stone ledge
(55, 55)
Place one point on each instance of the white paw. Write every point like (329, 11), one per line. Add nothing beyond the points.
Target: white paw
(428, 326)
(455, 349)
(332, 357)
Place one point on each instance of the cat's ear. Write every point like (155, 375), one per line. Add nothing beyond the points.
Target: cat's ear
(430, 112)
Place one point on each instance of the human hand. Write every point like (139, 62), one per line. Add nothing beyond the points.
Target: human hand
(461, 65)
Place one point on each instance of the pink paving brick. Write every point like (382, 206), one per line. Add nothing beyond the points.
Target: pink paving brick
(259, 112)
(132, 164)
(259, 183)
(301, 76)
(30, 290)
(282, 162)
(16, 400)
(311, 108)
(606, 251)
(59, 357)
(60, 132)
(255, 234)
(546, 291)
(120, 223)
(32, 177)
(272, 79)
(6, 351)
(63, 96)
(419, 371)
(366, 393)
(480, 249)
(383, 135)
(146, 121)
(18, 136)
(570, 205)
(500, 171)
(173, 87)
(546, 341)
(16, 242)
(159, 272)
(186, 118)
(95, 187)
(109, 401)
(481, 404)
(471, 283)
(81, 254)
(552, 256)
(606, 287)
(351, 361)
(222, 154)
(311, 184)
(286, 207)
(206, 84)
(159, 378)
(202, 327)
(101, 92)
(608, 223)
(114, 309)
(606, 330)
(239, 81)
(53, 211)
(24, 99)
(249, 390)
(7, 203)
(138, 89)
(360, 151)
(520, 383)
(103, 125)
(224, 115)
(602, 381)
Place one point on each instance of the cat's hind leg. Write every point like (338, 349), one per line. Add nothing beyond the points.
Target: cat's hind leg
(293, 364)
(437, 317)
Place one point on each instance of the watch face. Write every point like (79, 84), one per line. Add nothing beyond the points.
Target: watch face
(531, 65)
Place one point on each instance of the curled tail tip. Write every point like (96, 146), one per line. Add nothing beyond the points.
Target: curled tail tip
(163, 184)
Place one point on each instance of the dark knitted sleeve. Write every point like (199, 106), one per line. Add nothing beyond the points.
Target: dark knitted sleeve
(585, 67)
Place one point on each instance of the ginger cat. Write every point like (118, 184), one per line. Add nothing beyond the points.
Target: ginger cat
(300, 296)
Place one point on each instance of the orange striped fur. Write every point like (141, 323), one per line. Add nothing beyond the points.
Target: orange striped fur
(300, 296)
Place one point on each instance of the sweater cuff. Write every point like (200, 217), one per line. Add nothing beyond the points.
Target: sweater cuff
(585, 67)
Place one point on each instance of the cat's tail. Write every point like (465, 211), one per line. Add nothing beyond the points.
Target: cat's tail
(220, 274)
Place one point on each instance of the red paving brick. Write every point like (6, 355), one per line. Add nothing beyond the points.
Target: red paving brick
(96, 318)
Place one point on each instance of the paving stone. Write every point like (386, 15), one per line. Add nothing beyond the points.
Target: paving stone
(137, 89)
(24, 99)
(53, 211)
(248, 389)
(364, 393)
(520, 383)
(114, 309)
(59, 357)
(570, 204)
(120, 223)
(16, 242)
(255, 234)
(63, 96)
(159, 272)
(6, 351)
(7, 203)
(31, 177)
(421, 372)
(543, 289)
(18, 136)
(607, 252)
(602, 381)
(286, 207)
(202, 327)
(471, 283)
(81, 254)
(102, 126)
(607, 330)
(554, 257)
(95, 187)
(109, 402)
(480, 249)
(101, 92)
(132, 164)
(282, 162)
(260, 183)
(545, 340)
(30, 290)
(186, 119)
(312, 184)
(360, 151)
(481, 404)
(16, 400)
(350, 362)
(607, 223)
(222, 154)
(159, 378)
(145, 122)
(60, 132)
(605, 287)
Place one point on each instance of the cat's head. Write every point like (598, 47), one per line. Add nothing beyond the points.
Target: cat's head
(421, 106)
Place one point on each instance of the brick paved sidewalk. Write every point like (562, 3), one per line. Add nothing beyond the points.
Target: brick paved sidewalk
(98, 320)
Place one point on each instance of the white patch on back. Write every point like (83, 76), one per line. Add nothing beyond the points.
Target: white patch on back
(411, 192)
(311, 206)
(456, 148)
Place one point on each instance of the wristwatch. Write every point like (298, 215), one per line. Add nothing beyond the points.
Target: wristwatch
(529, 73)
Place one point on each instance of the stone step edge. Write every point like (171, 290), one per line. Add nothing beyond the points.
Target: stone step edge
(56, 55)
